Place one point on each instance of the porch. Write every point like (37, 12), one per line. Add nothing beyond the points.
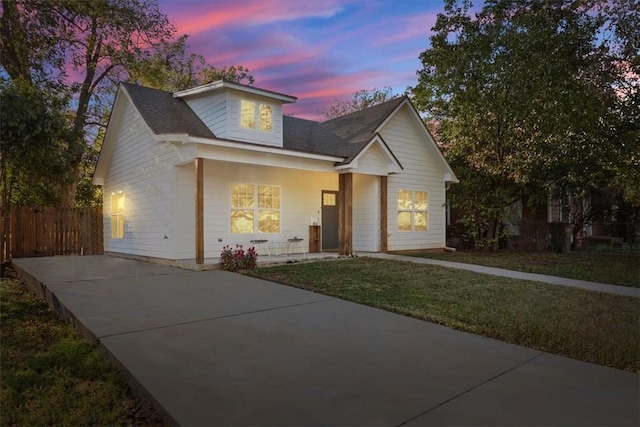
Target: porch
(348, 209)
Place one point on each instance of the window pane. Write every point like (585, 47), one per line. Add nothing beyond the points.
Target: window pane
(422, 201)
(242, 195)
(114, 226)
(120, 206)
(117, 215)
(405, 202)
(248, 114)
(265, 117)
(241, 221)
(268, 196)
(269, 222)
(404, 221)
(328, 199)
(420, 221)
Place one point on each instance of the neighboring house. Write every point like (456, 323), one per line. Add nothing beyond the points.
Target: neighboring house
(187, 173)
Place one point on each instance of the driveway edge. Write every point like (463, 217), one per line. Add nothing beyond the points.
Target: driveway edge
(40, 289)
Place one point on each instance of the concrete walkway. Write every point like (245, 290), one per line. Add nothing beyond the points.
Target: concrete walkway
(553, 280)
(216, 348)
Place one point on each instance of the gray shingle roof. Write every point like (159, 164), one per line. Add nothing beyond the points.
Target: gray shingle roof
(343, 137)
(166, 114)
(359, 126)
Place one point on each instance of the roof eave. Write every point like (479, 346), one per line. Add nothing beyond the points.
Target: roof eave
(221, 84)
(187, 139)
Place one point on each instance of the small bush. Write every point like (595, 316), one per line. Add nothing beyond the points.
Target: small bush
(238, 259)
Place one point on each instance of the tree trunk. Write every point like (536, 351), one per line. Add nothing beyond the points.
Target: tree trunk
(68, 197)
(492, 234)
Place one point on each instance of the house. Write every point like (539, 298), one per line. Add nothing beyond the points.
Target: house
(187, 173)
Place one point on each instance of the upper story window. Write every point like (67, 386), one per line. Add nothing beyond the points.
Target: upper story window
(255, 115)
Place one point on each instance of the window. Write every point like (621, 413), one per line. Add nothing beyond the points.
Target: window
(248, 202)
(413, 210)
(249, 110)
(265, 117)
(328, 199)
(117, 215)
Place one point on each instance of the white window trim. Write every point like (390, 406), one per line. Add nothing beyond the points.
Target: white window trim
(413, 211)
(256, 115)
(256, 208)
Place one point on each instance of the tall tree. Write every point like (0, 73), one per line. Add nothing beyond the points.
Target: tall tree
(90, 46)
(34, 132)
(360, 100)
(521, 91)
(171, 68)
(622, 19)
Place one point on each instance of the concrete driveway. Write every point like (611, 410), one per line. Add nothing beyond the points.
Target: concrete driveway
(216, 348)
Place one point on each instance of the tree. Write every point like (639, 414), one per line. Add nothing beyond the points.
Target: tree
(170, 68)
(622, 17)
(34, 131)
(360, 100)
(96, 40)
(522, 92)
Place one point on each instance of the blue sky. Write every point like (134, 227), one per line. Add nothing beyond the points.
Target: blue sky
(317, 50)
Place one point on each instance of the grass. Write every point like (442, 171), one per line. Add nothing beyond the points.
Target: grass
(51, 376)
(589, 326)
(615, 267)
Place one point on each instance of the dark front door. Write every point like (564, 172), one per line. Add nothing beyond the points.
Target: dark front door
(329, 220)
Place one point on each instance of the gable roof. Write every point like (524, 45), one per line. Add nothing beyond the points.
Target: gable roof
(166, 114)
(223, 84)
(361, 125)
(343, 136)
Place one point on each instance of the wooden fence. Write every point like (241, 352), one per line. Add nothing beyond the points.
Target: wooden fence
(36, 232)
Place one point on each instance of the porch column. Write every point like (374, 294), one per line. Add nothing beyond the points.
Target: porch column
(345, 214)
(199, 169)
(383, 214)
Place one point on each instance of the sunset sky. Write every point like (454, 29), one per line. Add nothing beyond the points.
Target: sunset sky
(316, 50)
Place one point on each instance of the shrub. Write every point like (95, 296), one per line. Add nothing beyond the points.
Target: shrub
(238, 259)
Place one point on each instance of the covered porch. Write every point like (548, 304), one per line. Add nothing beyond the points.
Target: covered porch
(358, 204)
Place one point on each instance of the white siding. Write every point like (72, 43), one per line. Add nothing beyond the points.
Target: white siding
(143, 170)
(235, 132)
(423, 172)
(373, 162)
(212, 110)
(300, 193)
(366, 213)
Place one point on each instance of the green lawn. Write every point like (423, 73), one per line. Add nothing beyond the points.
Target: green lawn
(51, 376)
(616, 267)
(589, 326)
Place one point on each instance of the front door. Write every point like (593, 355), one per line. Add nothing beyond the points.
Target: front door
(329, 220)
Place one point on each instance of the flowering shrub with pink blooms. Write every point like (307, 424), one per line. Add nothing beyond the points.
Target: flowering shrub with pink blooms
(238, 259)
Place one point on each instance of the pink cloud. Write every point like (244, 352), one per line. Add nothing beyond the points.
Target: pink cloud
(317, 50)
(413, 27)
(250, 13)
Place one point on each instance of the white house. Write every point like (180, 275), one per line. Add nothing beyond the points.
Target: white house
(187, 173)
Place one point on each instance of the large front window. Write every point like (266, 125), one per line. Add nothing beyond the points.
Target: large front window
(413, 210)
(255, 208)
(254, 115)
